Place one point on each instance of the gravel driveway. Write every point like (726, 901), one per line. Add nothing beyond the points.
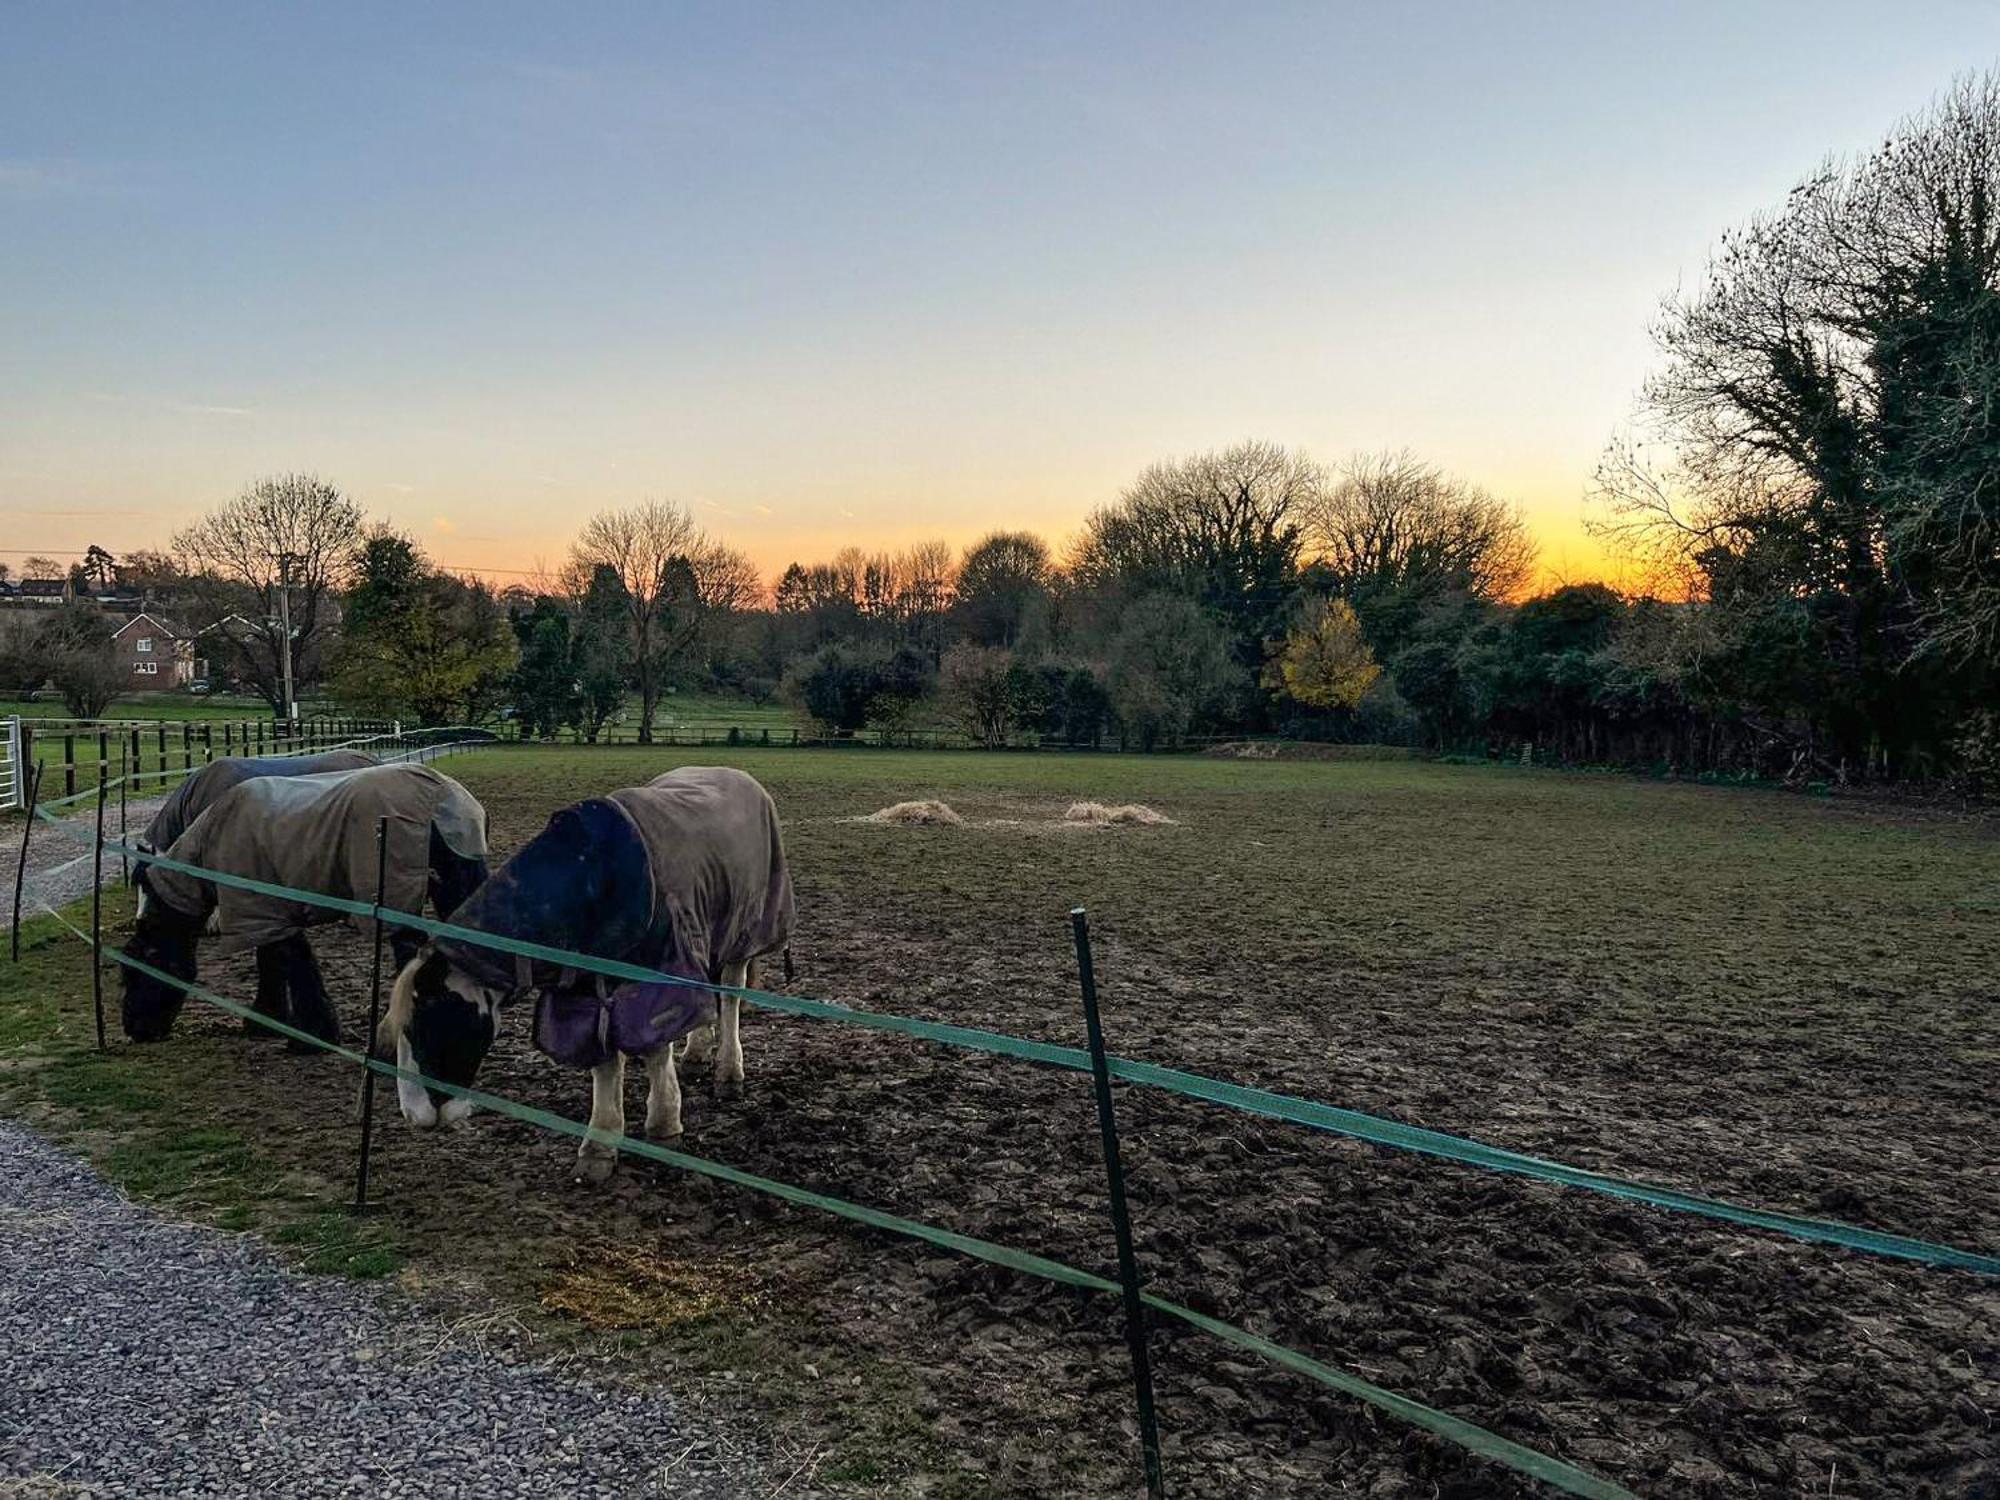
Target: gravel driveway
(59, 866)
(142, 1357)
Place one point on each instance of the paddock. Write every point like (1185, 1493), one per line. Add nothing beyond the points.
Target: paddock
(1771, 999)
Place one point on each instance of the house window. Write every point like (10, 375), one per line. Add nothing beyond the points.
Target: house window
(149, 668)
(145, 645)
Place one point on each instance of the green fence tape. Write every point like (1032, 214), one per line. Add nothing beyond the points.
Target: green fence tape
(1375, 1129)
(1473, 1438)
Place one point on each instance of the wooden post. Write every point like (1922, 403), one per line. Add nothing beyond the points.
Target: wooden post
(1121, 1223)
(374, 1020)
(69, 763)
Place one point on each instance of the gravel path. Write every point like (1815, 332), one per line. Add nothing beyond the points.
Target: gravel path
(141, 1357)
(59, 866)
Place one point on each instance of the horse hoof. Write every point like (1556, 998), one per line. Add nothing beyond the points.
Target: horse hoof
(729, 1088)
(595, 1171)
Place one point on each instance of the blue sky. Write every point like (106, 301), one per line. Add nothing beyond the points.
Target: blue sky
(845, 273)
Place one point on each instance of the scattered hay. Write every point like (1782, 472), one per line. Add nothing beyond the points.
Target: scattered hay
(1097, 815)
(616, 1287)
(917, 814)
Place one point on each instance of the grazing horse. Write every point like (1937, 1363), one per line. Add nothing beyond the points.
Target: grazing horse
(311, 833)
(197, 793)
(685, 875)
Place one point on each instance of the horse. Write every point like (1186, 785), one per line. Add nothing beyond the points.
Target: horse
(685, 875)
(310, 833)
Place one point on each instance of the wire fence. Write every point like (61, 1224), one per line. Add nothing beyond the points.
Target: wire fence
(1376, 1130)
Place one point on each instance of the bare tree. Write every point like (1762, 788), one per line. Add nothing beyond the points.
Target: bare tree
(678, 581)
(291, 531)
(1393, 520)
(1222, 529)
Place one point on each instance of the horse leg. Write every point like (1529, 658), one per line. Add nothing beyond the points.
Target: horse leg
(663, 1096)
(729, 1048)
(700, 1041)
(311, 1010)
(270, 990)
(596, 1157)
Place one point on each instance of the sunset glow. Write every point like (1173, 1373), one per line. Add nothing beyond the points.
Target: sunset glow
(834, 280)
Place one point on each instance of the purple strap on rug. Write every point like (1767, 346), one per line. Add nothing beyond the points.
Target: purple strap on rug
(579, 1029)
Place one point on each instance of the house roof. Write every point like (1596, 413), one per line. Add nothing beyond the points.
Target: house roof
(163, 626)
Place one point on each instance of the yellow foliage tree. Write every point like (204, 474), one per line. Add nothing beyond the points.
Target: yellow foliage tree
(1325, 661)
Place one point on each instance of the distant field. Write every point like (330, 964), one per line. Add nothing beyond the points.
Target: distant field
(1782, 1000)
(148, 706)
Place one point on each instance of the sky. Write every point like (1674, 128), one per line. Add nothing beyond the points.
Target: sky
(868, 274)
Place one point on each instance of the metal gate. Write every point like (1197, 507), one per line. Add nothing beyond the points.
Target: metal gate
(13, 766)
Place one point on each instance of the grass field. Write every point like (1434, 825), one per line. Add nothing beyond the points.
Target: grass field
(1781, 1000)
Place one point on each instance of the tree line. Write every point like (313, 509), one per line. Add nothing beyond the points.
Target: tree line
(1811, 486)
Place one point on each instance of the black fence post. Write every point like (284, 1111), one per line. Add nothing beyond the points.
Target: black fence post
(21, 865)
(97, 906)
(1121, 1223)
(69, 764)
(374, 1020)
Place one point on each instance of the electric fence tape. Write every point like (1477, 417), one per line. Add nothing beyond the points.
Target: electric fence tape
(1375, 1129)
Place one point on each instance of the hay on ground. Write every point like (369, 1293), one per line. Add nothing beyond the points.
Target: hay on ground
(931, 813)
(1100, 816)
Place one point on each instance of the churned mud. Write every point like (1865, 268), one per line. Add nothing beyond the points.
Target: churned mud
(1785, 1003)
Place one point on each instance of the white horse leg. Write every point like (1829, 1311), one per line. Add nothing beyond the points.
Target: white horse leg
(729, 1046)
(663, 1096)
(596, 1157)
(701, 1040)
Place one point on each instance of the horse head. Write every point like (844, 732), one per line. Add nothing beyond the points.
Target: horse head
(164, 938)
(441, 1022)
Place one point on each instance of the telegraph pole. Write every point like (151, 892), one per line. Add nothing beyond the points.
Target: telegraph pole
(285, 629)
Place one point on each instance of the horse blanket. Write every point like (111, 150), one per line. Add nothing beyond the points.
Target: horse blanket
(686, 875)
(198, 792)
(317, 833)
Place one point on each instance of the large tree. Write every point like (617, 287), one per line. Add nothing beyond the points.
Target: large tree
(1818, 450)
(678, 582)
(419, 642)
(1003, 581)
(1393, 527)
(1220, 529)
(291, 532)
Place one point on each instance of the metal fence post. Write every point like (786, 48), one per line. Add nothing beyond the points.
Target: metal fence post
(1121, 1223)
(374, 1020)
(97, 906)
(21, 865)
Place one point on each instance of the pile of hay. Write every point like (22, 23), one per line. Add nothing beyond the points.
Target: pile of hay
(934, 814)
(1097, 815)
(617, 1287)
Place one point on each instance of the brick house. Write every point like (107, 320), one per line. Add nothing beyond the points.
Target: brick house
(157, 653)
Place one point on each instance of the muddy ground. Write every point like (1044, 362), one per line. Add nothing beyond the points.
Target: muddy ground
(1786, 1002)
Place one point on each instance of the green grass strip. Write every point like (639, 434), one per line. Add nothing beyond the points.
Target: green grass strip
(1473, 1438)
(1375, 1129)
